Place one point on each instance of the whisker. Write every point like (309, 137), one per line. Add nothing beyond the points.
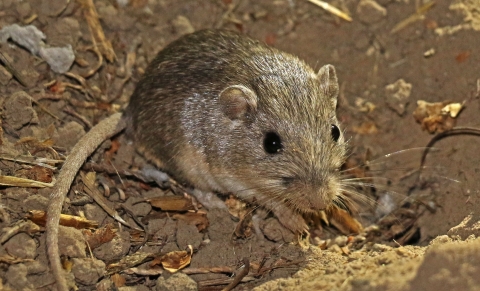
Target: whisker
(386, 158)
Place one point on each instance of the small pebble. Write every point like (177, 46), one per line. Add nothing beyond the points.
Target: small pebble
(341, 241)
(176, 282)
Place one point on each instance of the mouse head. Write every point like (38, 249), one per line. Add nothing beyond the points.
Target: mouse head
(283, 143)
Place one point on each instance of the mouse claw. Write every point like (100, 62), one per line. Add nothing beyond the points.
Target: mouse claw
(292, 220)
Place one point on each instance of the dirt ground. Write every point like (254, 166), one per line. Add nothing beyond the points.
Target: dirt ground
(419, 233)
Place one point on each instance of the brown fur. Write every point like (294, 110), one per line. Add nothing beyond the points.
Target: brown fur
(179, 116)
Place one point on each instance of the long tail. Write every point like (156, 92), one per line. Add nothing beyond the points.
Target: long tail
(80, 152)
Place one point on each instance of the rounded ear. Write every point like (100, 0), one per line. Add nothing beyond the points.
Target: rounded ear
(237, 101)
(329, 82)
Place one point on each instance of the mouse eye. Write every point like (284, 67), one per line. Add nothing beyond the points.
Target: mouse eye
(272, 143)
(335, 132)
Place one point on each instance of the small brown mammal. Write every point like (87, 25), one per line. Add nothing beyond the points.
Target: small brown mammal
(222, 112)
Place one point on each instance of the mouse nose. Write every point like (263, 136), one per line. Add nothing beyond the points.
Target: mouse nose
(324, 192)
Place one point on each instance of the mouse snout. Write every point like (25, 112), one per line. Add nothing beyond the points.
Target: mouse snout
(312, 194)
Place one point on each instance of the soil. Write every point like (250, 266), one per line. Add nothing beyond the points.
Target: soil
(419, 233)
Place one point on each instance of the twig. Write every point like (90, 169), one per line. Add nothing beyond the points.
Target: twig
(451, 132)
(207, 270)
(418, 15)
(335, 11)
(238, 278)
(43, 108)
(110, 170)
(99, 62)
(91, 15)
(42, 162)
(22, 182)
(90, 189)
(12, 70)
(72, 112)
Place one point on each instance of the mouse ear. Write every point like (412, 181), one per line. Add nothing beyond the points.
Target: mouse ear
(329, 82)
(237, 101)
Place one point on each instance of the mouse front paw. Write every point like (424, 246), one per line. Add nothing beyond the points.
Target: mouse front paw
(290, 219)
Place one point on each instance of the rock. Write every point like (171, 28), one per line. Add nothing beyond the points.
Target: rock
(62, 32)
(187, 234)
(274, 231)
(113, 18)
(37, 202)
(5, 76)
(115, 249)
(36, 267)
(95, 212)
(52, 7)
(21, 246)
(19, 110)
(397, 96)
(182, 25)
(105, 285)
(71, 242)
(341, 240)
(176, 282)
(370, 12)
(17, 277)
(30, 37)
(60, 59)
(88, 271)
(17, 193)
(23, 9)
(69, 134)
(139, 209)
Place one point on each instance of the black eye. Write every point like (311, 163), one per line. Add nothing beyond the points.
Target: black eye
(335, 132)
(272, 143)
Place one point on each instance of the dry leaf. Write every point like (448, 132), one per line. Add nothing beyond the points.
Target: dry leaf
(40, 218)
(236, 207)
(118, 280)
(343, 221)
(22, 182)
(100, 236)
(174, 261)
(171, 203)
(115, 145)
(40, 174)
(367, 127)
(436, 117)
(452, 109)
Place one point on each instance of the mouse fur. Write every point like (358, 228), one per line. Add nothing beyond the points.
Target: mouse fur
(207, 102)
